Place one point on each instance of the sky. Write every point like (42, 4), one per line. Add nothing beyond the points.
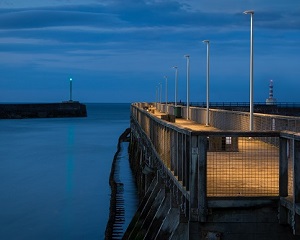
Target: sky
(121, 50)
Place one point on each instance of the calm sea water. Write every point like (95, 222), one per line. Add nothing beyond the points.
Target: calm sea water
(54, 174)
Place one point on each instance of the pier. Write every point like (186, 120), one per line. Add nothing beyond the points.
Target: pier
(42, 110)
(220, 181)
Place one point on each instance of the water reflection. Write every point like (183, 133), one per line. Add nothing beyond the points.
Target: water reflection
(69, 183)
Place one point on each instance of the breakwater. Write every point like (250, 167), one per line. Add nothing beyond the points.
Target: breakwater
(42, 110)
(114, 227)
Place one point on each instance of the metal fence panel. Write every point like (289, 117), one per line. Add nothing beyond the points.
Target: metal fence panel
(251, 171)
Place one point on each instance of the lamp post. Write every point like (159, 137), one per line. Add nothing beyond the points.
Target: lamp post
(156, 95)
(176, 83)
(251, 12)
(187, 85)
(166, 93)
(207, 82)
(160, 93)
(71, 89)
(166, 89)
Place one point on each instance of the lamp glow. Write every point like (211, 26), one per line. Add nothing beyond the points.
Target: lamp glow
(71, 89)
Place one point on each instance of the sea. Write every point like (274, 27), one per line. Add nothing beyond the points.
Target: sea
(54, 174)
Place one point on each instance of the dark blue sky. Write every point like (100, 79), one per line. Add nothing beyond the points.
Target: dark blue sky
(119, 51)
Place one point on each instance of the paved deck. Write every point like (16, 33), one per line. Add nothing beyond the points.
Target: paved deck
(187, 123)
(253, 170)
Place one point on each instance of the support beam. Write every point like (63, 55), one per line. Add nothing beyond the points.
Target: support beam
(198, 170)
(283, 168)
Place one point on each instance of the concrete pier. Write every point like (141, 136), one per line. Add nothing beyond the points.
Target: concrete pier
(198, 182)
(42, 110)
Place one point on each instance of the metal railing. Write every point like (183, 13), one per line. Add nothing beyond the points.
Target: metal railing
(239, 104)
(205, 167)
(236, 120)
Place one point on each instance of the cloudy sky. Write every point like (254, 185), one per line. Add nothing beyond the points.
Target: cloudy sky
(120, 50)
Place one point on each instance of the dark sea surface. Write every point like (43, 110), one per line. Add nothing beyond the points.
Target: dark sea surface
(54, 174)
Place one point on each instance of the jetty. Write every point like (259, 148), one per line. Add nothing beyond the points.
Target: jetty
(42, 110)
(216, 181)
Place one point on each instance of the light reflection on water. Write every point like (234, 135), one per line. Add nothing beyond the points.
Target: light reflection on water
(54, 174)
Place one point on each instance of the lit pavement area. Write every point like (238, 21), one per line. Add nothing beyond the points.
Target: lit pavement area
(253, 170)
(183, 123)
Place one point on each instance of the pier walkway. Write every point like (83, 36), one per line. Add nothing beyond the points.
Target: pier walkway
(239, 172)
(223, 179)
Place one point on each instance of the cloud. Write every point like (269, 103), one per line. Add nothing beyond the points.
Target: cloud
(26, 19)
(27, 41)
(136, 39)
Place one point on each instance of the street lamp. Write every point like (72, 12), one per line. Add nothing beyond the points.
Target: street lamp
(176, 83)
(166, 93)
(160, 93)
(71, 89)
(251, 12)
(166, 89)
(207, 82)
(156, 95)
(187, 85)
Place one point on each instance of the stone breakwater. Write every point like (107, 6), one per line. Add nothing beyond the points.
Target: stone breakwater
(114, 227)
(42, 110)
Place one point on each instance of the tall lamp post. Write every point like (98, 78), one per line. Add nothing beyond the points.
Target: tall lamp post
(156, 95)
(160, 86)
(166, 93)
(251, 12)
(159, 95)
(166, 89)
(176, 83)
(187, 86)
(71, 89)
(207, 82)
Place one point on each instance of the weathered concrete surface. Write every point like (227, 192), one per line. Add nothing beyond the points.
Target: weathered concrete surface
(42, 110)
(260, 223)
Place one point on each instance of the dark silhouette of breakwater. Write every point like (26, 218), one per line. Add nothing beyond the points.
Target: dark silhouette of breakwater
(114, 227)
(42, 110)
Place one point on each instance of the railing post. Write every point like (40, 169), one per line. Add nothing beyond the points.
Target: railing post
(197, 181)
(202, 193)
(296, 198)
(173, 149)
(283, 179)
(186, 161)
(194, 174)
(283, 168)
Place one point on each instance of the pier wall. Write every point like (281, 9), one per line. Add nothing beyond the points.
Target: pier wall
(189, 192)
(42, 110)
(236, 120)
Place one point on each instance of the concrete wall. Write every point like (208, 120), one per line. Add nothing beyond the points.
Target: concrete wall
(42, 110)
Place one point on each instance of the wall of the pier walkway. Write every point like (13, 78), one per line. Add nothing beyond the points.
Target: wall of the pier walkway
(160, 215)
(170, 158)
(234, 120)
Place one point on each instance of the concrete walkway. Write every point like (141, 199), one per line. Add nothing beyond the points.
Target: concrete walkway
(250, 171)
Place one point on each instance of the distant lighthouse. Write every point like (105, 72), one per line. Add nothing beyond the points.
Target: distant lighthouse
(271, 100)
